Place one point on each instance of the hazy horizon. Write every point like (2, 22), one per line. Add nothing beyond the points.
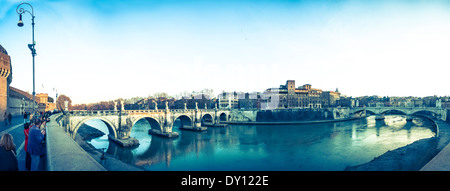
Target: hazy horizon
(97, 51)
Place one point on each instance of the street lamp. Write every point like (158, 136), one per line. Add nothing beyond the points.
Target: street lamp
(21, 11)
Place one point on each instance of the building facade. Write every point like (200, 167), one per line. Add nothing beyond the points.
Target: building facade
(43, 104)
(19, 101)
(229, 100)
(304, 96)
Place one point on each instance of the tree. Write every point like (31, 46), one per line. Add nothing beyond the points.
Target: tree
(161, 95)
(208, 92)
(60, 102)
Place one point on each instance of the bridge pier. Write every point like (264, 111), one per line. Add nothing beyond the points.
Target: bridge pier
(127, 142)
(197, 124)
(409, 117)
(123, 134)
(379, 117)
(166, 126)
(216, 119)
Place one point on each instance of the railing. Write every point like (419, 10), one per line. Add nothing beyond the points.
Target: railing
(419, 107)
(116, 112)
(91, 112)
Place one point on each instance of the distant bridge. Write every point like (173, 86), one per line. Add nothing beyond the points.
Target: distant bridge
(437, 112)
(120, 123)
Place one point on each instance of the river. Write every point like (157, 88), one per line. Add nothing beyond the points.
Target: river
(326, 146)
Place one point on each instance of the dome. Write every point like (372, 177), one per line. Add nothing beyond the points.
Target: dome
(3, 50)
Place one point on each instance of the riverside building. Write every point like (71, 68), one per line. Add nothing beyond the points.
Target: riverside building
(304, 96)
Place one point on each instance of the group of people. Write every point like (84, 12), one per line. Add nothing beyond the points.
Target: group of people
(34, 147)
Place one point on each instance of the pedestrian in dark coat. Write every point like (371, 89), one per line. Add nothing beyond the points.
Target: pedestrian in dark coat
(35, 145)
(25, 117)
(8, 160)
(9, 118)
(5, 117)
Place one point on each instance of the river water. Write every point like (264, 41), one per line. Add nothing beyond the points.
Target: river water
(327, 146)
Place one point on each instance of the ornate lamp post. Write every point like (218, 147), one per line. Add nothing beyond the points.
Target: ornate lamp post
(21, 11)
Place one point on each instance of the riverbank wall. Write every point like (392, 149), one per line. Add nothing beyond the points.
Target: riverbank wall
(111, 163)
(290, 115)
(304, 114)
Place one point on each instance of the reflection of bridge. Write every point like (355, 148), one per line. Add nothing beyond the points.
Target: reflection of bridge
(437, 112)
(120, 123)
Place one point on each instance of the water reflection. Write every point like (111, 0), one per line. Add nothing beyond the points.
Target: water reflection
(330, 146)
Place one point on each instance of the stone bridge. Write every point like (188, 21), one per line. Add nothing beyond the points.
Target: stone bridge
(438, 112)
(120, 123)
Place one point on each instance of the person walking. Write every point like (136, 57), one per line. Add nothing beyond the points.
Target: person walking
(35, 145)
(5, 117)
(9, 118)
(8, 160)
(26, 131)
(25, 117)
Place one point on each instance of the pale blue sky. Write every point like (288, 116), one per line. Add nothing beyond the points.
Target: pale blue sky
(104, 50)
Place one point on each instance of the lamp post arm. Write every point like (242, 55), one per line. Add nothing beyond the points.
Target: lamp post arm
(21, 10)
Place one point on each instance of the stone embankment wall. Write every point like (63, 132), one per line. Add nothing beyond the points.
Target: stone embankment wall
(278, 115)
(243, 116)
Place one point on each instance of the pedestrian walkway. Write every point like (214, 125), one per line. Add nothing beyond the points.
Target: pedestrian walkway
(11, 128)
(441, 161)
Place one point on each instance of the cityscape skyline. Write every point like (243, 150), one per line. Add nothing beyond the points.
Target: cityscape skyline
(94, 51)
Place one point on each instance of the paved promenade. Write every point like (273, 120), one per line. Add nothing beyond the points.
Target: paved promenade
(441, 162)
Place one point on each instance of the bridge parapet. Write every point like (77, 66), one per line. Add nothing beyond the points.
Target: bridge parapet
(116, 112)
(153, 111)
(91, 112)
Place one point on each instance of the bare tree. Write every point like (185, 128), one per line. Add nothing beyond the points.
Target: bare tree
(60, 102)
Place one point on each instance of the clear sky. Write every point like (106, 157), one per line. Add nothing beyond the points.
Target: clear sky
(103, 50)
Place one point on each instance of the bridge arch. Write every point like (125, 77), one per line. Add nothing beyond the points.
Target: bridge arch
(185, 120)
(425, 110)
(367, 110)
(223, 117)
(207, 118)
(109, 124)
(154, 123)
